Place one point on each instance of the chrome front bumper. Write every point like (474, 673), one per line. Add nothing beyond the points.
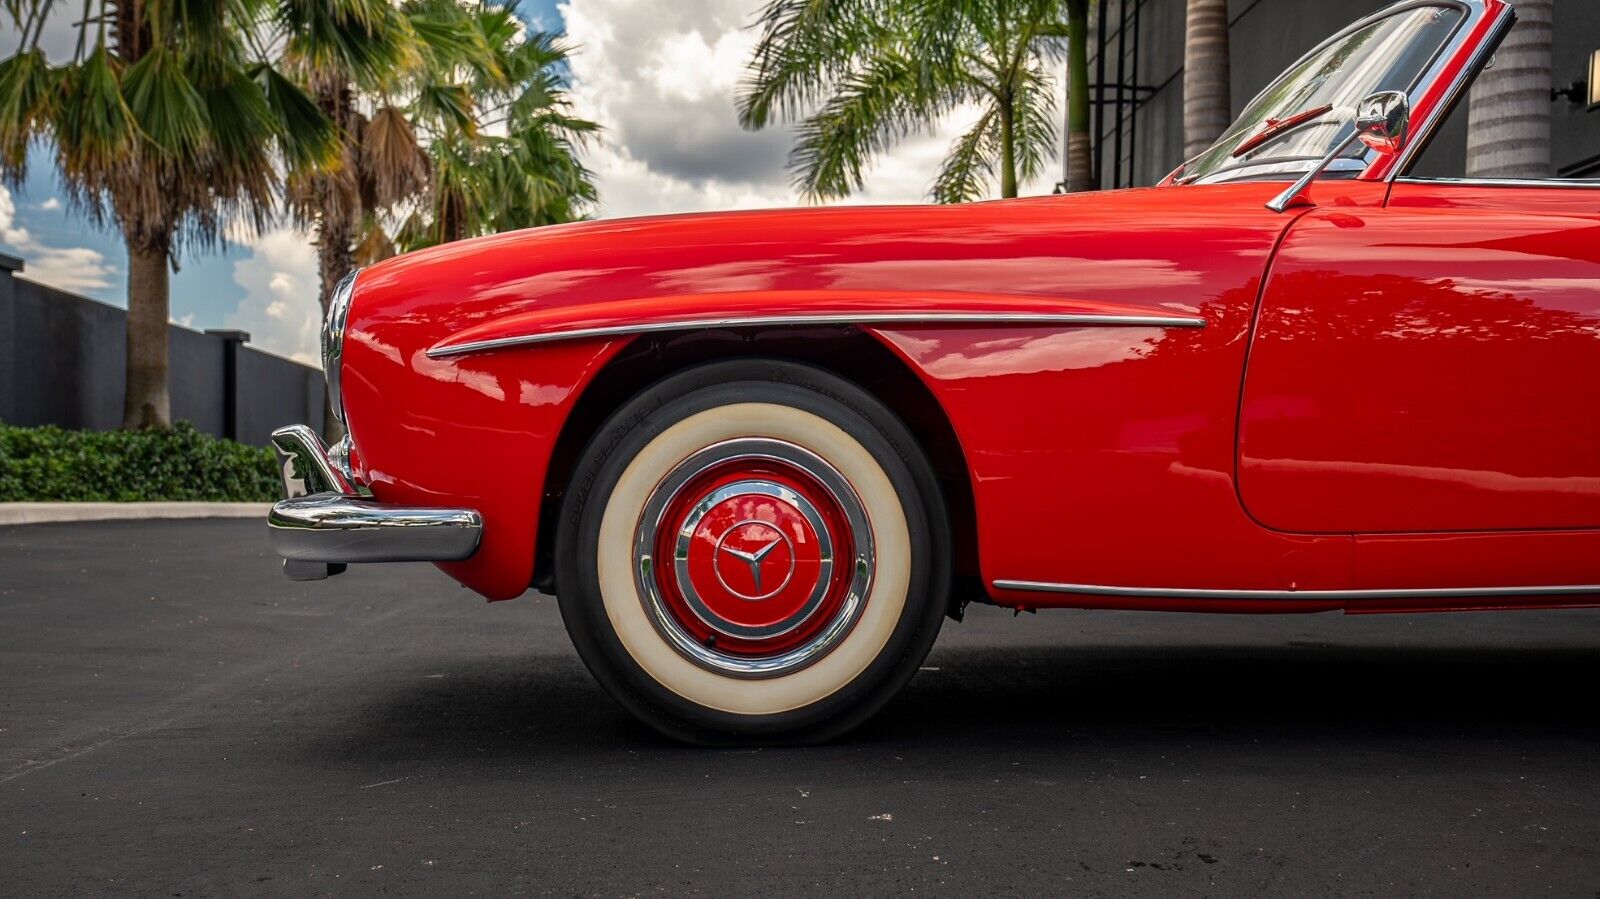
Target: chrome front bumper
(323, 524)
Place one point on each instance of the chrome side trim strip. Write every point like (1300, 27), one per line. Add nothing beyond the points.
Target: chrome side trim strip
(1580, 183)
(995, 319)
(1188, 593)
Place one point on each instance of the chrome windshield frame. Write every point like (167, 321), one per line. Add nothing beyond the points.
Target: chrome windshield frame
(1423, 131)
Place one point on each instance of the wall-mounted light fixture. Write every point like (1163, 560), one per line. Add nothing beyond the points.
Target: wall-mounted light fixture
(1583, 93)
(1594, 81)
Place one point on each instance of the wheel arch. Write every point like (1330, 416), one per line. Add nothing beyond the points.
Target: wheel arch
(846, 351)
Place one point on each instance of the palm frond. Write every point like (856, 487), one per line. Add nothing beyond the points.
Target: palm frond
(450, 35)
(27, 95)
(165, 103)
(445, 107)
(94, 129)
(969, 167)
(307, 137)
(393, 165)
(336, 41)
(242, 133)
(869, 112)
(1034, 122)
(805, 47)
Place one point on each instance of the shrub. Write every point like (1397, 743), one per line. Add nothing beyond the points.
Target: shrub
(51, 464)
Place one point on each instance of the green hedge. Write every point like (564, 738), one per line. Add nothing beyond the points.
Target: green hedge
(52, 465)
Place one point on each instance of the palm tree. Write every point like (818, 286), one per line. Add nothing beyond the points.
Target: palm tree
(1080, 172)
(1508, 129)
(165, 124)
(420, 92)
(859, 75)
(486, 181)
(1207, 106)
(352, 57)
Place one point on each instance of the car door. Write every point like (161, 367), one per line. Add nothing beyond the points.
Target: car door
(1426, 376)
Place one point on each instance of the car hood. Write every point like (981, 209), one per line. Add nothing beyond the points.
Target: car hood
(1132, 251)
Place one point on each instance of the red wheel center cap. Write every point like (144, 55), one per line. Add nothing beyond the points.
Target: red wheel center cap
(754, 560)
(757, 559)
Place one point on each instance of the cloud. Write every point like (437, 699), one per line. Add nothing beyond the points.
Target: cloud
(662, 78)
(50, 205)
(76, 269)
(280, 307)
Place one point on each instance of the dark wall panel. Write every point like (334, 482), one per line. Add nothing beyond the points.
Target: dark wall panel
(276, 392)
(62, 360)
(195, 379)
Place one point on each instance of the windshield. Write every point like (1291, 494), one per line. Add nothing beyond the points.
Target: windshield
(1311, 107)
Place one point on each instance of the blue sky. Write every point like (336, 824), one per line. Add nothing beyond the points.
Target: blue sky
(659, 76)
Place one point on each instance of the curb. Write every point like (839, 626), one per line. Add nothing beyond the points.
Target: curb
(45, 513)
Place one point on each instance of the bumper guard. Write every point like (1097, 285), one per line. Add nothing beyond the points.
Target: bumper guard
(323, 524)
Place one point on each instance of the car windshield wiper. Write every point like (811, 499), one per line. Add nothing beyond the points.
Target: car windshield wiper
(1274, 128)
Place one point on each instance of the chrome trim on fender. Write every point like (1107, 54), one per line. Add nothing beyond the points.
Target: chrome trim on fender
(997, 319)
(333, 327)
(1188, 593)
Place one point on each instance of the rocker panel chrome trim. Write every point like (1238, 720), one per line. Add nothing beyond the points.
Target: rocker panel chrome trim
(997, 319)
(1403, 593)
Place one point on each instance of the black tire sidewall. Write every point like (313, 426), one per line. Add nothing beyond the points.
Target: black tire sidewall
(669, 401)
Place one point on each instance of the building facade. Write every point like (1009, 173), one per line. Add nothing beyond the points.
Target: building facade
(1136, 80)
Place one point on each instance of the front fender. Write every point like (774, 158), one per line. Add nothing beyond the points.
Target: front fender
(791, 307)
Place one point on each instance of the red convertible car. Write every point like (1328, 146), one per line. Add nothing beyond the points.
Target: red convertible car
(759, 457)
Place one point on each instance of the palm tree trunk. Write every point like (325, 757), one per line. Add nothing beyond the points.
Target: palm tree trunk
(1008, 149)
(452, 218)
(1207, 107)
(1080, 175)
(146, 403)
(1508, 125)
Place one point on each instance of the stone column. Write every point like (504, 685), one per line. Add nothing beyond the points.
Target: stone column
(1508, 126)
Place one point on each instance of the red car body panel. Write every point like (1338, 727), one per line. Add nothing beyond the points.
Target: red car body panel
(1393, 387)
(1430, 366)
(478, 427)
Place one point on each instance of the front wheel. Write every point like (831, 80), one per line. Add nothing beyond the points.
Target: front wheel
(753, 551)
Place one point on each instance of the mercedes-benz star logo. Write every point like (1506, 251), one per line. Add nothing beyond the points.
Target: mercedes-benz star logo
(754, 558)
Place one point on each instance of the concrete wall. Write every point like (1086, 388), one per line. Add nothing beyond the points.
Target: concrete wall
(62, 360)
(1268, 35)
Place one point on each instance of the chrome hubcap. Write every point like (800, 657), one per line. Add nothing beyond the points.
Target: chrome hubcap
(753, 557)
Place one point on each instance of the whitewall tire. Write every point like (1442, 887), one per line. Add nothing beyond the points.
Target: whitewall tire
(753, 550)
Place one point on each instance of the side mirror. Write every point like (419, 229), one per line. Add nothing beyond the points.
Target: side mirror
(1383, 122)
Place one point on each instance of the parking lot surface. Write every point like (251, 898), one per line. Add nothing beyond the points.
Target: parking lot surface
(176, 718)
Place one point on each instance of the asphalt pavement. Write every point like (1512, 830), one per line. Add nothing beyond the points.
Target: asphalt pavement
(177, 718)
